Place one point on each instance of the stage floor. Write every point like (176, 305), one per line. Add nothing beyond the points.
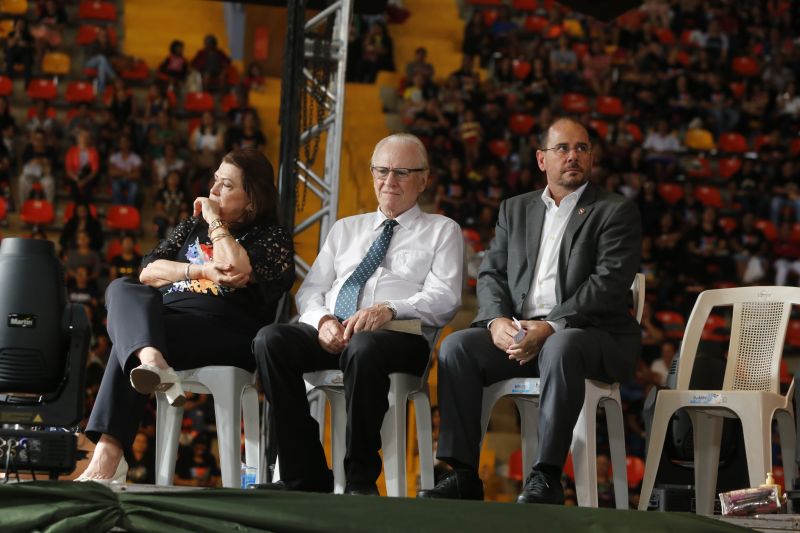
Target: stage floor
(88, 507)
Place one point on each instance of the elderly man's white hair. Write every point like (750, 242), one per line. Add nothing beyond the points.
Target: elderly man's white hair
(405, 138)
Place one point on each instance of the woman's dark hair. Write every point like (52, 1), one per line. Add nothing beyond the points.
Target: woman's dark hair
(258, 180)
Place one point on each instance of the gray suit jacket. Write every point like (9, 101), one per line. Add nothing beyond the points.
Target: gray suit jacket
(597, 261)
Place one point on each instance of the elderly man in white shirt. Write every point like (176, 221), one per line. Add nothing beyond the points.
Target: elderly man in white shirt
(397, 263)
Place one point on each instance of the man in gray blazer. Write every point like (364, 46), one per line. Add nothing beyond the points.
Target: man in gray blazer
(563, 260)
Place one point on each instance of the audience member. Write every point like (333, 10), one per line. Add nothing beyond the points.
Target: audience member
(125, 170)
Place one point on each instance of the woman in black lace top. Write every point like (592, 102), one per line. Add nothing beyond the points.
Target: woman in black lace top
(202, 295)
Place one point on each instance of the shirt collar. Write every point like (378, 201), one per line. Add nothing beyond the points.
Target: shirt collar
(571, 198)
(404, 221)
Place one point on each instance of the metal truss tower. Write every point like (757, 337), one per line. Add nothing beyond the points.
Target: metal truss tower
(312, 104)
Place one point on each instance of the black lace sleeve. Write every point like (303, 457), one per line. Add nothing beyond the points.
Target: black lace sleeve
(169, 247)
(271, 253)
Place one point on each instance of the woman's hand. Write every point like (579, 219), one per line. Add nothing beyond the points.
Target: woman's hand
(225, 275)
(206, 207)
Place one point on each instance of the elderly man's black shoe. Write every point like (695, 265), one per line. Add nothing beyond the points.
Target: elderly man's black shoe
(456, 485)
(542, 488)
(362, 490)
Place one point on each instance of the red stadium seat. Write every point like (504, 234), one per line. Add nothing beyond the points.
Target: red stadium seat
(96, 10)
(500, 147)
(670, 192)
(114, 248)
(684, 58)
(745, 66)
(42, 89)
(708, 196)
(87, 34)
(521, 68)
(699, 167)
(554, 32)
(793, 334)
(635, 471)
(674, 324)
(767, 228)
(79, 92)
(194, 123)
(728, 224)
(228, 102)
(71, 113)
(69, 209)
(610, 106)
(599, 126)
(3, 209)
(123, 218)
(732, 142)
(665, 36)
(795, 232)
(715, 329)
(525, 5)
(232, 76)
(728, 166)
(536, 24)
(50, 112)
(575, 103)
(737, 88)
(489, 16)
(794, 147)
(760, 141)
(580, 49)
(199, 102)
(37, 212)
(6, 86)
(520, 123)
(138, 72)
(635, 131)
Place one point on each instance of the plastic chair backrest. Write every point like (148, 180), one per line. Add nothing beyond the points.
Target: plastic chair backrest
(758, 331)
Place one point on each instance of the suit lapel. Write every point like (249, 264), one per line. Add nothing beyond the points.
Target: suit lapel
(533, 235)
(579, 215)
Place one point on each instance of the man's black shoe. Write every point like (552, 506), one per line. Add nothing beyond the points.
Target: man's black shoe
(301, 486)
(365, 490)
(541, 488)
(278, 485)
(456, 485)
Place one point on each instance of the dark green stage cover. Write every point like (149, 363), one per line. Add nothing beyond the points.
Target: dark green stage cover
(60, 507)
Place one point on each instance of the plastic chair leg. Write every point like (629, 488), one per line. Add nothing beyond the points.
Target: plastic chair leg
(393, 438)
(707, 430)
(228, 411)
(422, 408)
(584, 453)
(658, 433)
(529, 431)
(251, 426)
(168, 430)
(338, 438)
(616, 437)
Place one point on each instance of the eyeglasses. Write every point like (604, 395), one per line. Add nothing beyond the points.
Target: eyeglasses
(563, 149)
(401, 174)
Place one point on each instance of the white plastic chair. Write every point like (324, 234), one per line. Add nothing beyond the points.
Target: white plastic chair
(402, 388)
(234, 394)
(750, 390)
(525, 393)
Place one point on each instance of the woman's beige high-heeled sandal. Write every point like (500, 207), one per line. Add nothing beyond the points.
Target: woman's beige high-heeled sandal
(119, 477)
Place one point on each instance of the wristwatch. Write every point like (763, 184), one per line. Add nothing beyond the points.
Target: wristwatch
(391, 307)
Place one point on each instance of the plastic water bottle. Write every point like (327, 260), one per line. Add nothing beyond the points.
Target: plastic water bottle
(248, 475)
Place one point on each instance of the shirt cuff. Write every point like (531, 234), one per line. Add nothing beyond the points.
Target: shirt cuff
(557, 326)
(312, 318)
(405, 310)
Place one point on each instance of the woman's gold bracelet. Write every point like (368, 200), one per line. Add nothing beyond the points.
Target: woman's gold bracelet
(219, 236)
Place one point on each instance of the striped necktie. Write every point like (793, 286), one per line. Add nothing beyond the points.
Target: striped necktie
(347, 300)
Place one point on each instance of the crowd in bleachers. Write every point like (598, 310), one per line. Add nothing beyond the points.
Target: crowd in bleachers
(694, 115)
(97, 135)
